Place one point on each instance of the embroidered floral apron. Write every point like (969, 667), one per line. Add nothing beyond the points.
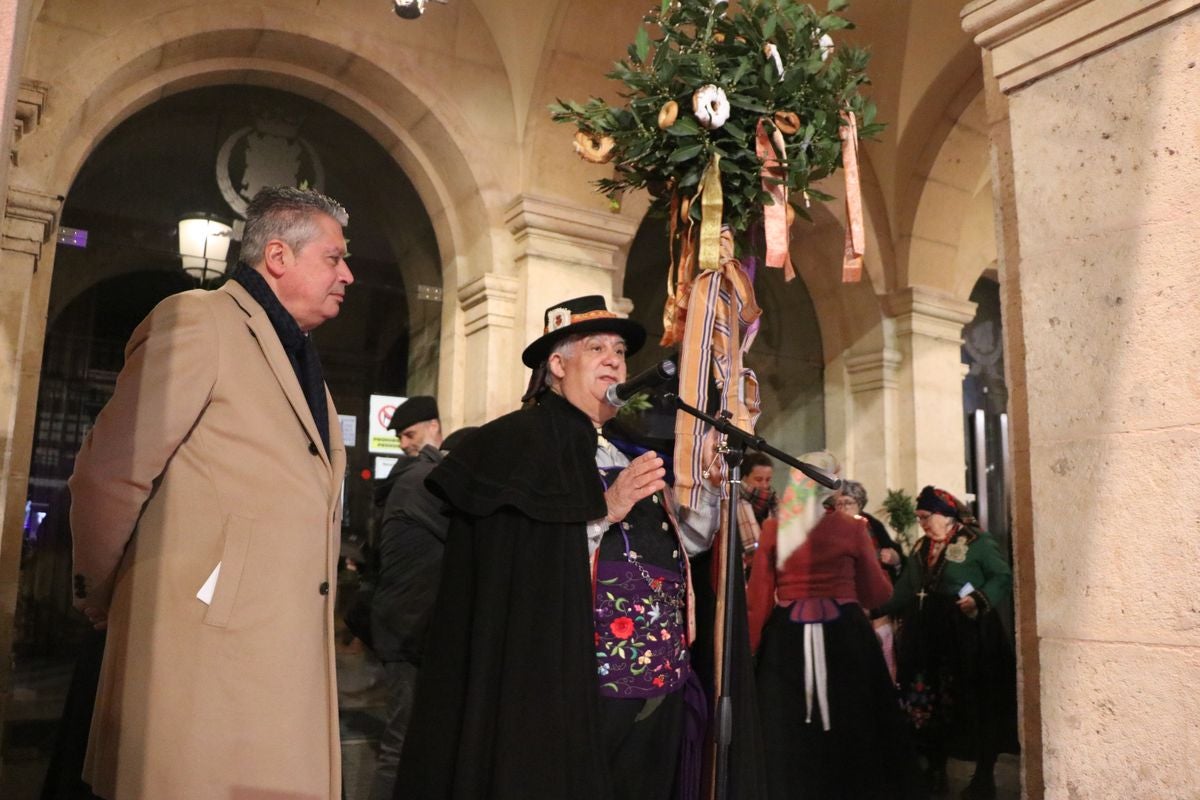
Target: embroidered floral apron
(639, 608)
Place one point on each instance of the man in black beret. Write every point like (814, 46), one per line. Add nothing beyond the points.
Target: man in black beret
(416, 424)
(558, 662)
(411, 541)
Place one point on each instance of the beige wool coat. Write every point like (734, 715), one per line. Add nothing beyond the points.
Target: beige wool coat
(208, 454)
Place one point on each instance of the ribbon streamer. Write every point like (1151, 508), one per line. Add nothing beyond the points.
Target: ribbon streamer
(712, 208)
(852, 257)
(679, 278)
(773, 53)
(721, 307)
(679, 290)
(668, 318)
(772, 153)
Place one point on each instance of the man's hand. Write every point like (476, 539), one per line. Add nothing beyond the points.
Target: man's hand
(97, 616)
(643, 477)
(968, 607)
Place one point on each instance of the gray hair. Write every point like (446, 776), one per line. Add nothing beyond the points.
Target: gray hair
(287, 214)
(856, 492)
(565, 347)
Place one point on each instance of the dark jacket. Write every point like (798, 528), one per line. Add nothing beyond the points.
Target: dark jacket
(884, 541)
(411, 543)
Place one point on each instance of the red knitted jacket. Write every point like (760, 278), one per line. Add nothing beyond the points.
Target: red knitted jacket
(836, 561)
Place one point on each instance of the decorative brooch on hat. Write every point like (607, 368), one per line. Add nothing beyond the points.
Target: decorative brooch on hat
(557, 318)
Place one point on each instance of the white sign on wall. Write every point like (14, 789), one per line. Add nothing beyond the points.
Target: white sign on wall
(379, 438)
(383, 466)
(349, 424)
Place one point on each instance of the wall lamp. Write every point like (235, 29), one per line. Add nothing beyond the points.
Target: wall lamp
(204, 246)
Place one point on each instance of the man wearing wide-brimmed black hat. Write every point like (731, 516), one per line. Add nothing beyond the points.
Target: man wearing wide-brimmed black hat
(558, 664)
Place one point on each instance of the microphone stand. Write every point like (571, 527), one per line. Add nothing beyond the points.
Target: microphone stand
(735, 444)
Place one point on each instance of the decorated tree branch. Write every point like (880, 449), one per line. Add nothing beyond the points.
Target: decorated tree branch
(729, 118)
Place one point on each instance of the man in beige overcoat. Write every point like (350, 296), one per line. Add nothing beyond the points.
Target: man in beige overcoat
(206, 517)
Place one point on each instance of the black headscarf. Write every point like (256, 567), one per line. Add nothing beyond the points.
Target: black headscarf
(939, 501)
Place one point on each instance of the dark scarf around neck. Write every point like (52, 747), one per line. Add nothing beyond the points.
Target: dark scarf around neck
(296, 343)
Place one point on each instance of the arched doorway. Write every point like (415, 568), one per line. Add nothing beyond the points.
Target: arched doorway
(985, 405)
(203, 151)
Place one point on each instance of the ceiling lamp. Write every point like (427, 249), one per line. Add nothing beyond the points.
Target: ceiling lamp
(410, 9)
(204, 246)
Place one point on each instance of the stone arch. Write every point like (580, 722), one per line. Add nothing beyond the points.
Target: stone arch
(949, 213)
(977, 252)
(580, 46)
(387, 90)
(851, 319)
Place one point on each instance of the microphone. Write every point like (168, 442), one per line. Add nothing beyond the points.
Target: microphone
(619, 393)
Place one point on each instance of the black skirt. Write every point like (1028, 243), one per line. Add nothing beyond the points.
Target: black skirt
(958, 681)
(867, 751)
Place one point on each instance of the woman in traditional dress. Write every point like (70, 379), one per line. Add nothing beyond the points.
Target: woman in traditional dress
(832, 726)
(956, 667)
(852, 500)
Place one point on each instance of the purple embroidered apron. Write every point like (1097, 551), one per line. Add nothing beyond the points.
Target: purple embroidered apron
(639, 611)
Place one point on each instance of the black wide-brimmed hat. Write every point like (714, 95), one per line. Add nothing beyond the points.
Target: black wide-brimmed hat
(581, 315)
(413, 410)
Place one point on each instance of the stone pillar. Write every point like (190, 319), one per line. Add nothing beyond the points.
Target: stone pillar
(563, 251)
(22, 101)
(489, 306)
(26, 247)
(872, 445)
(928, 337)
(1017, 472)
(1093, 110)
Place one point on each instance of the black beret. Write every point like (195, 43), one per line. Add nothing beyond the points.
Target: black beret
(416, 409)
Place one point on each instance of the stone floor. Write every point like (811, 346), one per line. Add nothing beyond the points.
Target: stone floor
(40, 689)
(1008, 777)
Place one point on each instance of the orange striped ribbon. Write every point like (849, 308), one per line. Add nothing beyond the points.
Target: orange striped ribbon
(721, 307)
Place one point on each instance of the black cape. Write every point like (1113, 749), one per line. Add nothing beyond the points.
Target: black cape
(507, 702)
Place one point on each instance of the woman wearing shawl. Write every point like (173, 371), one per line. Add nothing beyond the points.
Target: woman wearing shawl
(956, 667)
(832, 727)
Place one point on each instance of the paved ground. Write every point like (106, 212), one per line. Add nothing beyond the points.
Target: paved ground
(40, 689)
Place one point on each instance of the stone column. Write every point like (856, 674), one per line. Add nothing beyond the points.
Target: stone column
(489, 306)
(1093, 110)
(22, 101)
(563, 251)
(26, 247)
(872, 445)
(928, 337)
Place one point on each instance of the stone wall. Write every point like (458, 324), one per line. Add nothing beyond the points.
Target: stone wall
(1098, 160)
